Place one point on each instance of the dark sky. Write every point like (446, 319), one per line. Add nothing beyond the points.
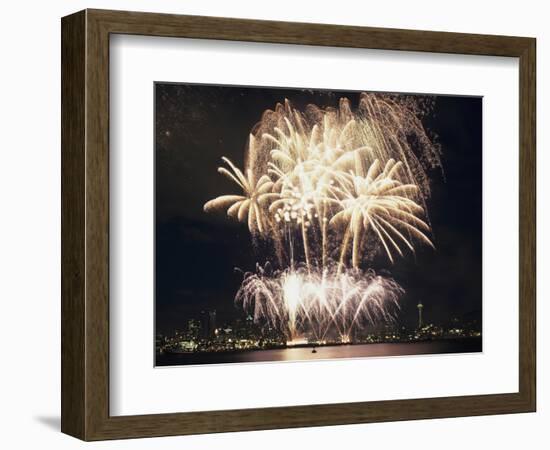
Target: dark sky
(196, 253)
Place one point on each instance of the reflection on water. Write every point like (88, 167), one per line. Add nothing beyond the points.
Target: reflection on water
(328, 352)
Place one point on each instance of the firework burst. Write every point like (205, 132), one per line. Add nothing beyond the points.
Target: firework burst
(324, 184)
(300, 301)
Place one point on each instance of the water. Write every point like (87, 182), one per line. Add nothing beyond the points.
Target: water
(328, 352)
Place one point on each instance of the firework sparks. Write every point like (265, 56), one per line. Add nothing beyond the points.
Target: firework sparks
(377, 200)
(248, 206)
(320, 182)
(298, 300)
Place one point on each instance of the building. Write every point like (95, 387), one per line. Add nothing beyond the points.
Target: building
(193, 329)
(208, 324)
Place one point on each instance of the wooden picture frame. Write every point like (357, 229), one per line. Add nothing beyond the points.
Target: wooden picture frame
(85, 224)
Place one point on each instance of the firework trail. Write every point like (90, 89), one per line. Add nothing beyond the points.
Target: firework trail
(319, 302)
(330, 189)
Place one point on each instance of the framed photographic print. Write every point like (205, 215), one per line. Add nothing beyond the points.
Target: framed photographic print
(267, 224)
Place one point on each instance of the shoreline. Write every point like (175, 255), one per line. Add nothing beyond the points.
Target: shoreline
(317, 346)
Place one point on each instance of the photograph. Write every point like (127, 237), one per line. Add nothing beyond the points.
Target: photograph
(306, 224)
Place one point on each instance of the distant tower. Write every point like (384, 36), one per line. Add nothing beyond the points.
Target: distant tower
(420, 306)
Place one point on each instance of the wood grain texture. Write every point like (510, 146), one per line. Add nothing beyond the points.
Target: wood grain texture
(527, 224)
(73, 225)
(85, 224)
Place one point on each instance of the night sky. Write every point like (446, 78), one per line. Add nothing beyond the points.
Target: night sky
(197, 253)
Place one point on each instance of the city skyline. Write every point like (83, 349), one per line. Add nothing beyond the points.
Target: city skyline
(198, 338)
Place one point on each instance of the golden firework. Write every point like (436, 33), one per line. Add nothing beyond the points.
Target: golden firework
(319, 181)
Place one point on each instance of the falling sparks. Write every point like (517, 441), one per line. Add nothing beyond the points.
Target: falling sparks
(330, 189)
(299, 301)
